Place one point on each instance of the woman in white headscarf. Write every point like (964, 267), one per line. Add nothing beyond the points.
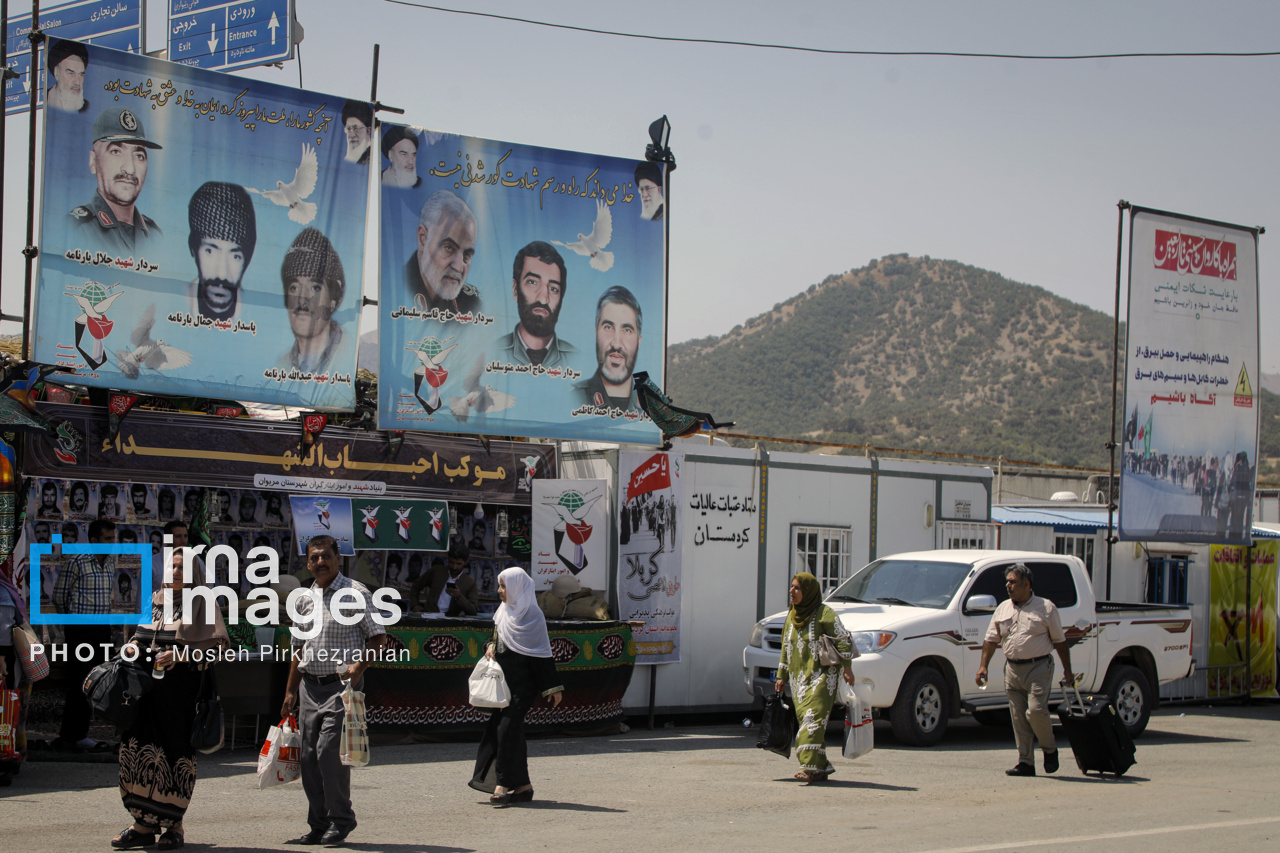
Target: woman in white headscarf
(523, 648)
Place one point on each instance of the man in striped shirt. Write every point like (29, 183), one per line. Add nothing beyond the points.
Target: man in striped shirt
(84, 587)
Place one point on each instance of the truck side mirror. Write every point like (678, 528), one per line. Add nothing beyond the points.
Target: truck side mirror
(980, 604)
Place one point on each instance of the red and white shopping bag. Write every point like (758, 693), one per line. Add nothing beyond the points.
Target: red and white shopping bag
(280, 760)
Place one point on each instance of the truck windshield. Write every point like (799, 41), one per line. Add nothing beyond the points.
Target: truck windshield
(917, 583)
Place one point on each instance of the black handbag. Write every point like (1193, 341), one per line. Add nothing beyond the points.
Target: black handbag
(207, 730)
(114, 690)
(778, 725)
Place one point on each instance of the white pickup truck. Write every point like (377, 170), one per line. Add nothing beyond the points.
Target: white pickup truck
(919, 619)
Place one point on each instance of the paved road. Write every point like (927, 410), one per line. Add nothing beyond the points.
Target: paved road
(1206, 779)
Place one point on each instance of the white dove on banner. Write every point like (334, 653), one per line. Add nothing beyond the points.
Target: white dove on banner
(479, 399)
(148, 353)
(291, 195)
(592, 245)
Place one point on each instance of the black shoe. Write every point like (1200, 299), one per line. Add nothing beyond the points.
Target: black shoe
(522, 796)
(312, 837)
(1021, 770)
(336, 835)
(1051, 762)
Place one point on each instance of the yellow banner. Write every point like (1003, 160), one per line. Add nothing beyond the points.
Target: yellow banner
(1243, 608)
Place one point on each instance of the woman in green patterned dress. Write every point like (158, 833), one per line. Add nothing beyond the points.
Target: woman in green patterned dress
(813, 687)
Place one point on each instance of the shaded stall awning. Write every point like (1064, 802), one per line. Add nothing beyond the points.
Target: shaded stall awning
(1085, 519)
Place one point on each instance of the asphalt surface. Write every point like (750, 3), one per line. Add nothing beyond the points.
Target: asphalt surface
(1206, 778)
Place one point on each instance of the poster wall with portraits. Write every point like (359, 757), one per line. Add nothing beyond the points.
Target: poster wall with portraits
(1190, 438)
(240, 518)
(650, 565)
(521, 288)
(201, 233)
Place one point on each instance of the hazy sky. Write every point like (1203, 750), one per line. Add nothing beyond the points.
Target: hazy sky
(794, 166)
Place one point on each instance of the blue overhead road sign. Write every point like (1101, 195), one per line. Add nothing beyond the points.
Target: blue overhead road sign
(218, 36)
(116, 24)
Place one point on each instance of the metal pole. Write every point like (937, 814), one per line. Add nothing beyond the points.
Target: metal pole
(666, 266)
(373, 89)
(1248, 625)
(30, 251)
(653, 690)
(1122, 206)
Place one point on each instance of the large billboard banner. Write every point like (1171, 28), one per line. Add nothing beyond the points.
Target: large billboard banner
(201, 234)
(520, 289)
(1191, 379)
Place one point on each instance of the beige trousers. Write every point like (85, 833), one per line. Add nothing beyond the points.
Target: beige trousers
(1028, 686)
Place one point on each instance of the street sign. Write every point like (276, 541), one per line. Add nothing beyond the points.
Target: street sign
(219, 35)
(117, 24)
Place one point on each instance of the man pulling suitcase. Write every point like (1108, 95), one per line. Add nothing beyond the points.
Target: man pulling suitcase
(1028, 628)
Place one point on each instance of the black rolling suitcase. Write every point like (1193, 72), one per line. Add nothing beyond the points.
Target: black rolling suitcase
(1098, 737)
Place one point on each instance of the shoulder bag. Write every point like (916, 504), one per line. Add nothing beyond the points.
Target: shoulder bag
(207, 730)
(36, 666)
(114, 690)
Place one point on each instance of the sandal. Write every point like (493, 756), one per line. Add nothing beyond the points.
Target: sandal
(171, 841)
(131, 839)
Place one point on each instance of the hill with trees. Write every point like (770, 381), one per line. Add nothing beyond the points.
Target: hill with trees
(921, 354)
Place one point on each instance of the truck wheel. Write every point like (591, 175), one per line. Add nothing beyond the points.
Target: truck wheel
(1131, 694)
(998, 717)
(919, 714)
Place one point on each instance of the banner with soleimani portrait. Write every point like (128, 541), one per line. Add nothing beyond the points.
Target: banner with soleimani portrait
(1190, 439)
(521, 288)
(201, 233)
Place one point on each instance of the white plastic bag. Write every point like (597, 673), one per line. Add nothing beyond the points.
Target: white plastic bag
(487, 685)
(859, 733)
(280, 760)
(355, 734)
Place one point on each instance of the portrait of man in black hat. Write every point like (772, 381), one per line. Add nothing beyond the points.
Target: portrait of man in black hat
(223, 234)
(118, 160)
(400, 147)
(314, 285)
(67, 63)
(539, 281)
(436, 275)
(649, 184)
(357, 124)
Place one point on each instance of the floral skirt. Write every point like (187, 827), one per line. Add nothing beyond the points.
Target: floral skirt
(812, 713)
(157, 763)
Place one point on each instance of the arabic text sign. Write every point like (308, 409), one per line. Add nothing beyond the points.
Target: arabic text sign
(117, 24)
(650, 566)
(521, 288)
(240, 279)
(570, 527)
(400, 525)
(1191, 412)
(218, 35)
(241, 453)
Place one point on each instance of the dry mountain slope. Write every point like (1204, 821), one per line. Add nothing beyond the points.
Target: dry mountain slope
(914, 352)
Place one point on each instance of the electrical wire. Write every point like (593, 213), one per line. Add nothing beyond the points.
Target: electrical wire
(835, 52)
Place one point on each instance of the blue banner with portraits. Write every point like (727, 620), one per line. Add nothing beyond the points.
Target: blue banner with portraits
(202, 234)
(520, 288)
